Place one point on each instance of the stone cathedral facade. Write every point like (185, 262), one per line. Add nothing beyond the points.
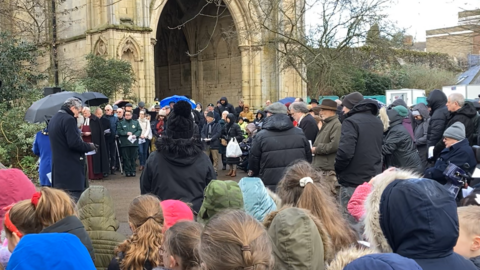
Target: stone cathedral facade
(203, 48)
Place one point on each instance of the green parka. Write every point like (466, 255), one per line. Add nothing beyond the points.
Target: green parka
(125, 126)
(97, 214)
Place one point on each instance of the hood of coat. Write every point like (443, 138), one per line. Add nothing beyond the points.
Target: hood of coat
(257, 201)
(15, 187)
(417, 219)
(278, 122)
(224, 99)
(423, 110)
(383, 261)
(366, 105)
(297, 243)
(67, 224)
(398, 102)
(373, 231)
(96, 210)
(467, 109)
(232, 119)
(220, 195)
(476, 261)
(179, 152)
(262, 113)
(436, 99)
(50, 251)
(348, 255)
(394, 117)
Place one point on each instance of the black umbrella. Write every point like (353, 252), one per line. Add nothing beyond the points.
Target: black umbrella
(94, 98)
(121, 103)
(48, 106)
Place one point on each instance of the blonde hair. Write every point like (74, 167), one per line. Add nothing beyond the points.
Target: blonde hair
(22, 215)
(384, 118)
(314, 198)
(53, 206)
(235, 240)
(468, 218)
(182, 240)
(146, 216)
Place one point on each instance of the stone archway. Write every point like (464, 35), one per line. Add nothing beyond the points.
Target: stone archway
(202, 59)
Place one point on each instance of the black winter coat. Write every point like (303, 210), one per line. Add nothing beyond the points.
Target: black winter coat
(359, 155)
(230, 131)
(309, 127)
(178, 170)
(420, 132)
(465, 115)
(226, 106)
(274, 147)
(72, 225)
(439, 113)
(398, 148)
(68, 152)
(215, 134)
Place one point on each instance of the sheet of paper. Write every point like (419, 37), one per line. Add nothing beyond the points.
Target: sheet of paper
(466, 191)
(430, 151)
(310, 141)
(476, 173)
(93, 152)
(49, 175)
(107, 131)
(140, 141)
(132, 138)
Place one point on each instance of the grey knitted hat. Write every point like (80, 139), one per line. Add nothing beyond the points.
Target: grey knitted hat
(455, 131)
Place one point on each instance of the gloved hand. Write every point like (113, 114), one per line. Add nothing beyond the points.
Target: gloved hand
(93, 147)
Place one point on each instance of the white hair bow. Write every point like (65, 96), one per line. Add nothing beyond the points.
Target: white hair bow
(304, 181)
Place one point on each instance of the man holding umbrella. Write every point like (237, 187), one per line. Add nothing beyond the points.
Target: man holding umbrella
(68, 149)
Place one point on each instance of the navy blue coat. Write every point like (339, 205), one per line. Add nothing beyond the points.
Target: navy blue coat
(68, 152)
(390, 261)
(458, 154)
(215, 134)
(418, 218)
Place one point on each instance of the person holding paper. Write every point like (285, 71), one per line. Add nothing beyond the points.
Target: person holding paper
(68, 149)
(129, 131)
(92, 131)
(145, 137)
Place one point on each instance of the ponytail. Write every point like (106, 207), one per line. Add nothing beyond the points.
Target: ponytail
(52, 205)
(146, 217)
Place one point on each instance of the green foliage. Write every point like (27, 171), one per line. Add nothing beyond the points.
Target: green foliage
(17, 62)
(108, 76)
(17, 93)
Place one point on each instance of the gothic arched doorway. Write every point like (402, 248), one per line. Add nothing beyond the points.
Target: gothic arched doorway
(202, 59)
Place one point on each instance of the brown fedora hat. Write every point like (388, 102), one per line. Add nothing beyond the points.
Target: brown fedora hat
(328, 104)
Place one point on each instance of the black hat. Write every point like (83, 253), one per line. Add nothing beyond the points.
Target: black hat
(210, 105)
(180, 123)
(129, 105)
(210, 114)
(313, 101)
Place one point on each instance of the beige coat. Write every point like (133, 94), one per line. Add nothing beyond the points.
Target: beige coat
(326, 144)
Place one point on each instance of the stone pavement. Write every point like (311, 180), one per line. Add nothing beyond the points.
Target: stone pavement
(124, 189)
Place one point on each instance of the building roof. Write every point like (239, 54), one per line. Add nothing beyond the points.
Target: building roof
(471, 76)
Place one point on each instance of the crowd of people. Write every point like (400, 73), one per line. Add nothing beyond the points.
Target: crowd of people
(347, 184)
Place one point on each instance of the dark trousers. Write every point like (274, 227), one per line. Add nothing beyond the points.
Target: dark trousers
(112, 152)
(129, 156)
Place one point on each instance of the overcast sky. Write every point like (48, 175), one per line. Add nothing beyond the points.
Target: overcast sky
(417, 16)
(421, 15)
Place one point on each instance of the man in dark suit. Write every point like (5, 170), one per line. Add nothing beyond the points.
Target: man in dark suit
(306, 122)
(68, 149)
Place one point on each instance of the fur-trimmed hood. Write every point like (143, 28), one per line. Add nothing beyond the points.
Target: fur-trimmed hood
(181, 152)
(415, 218)
(299, 239)
(275, 198)
(373, 230)
(346, 256)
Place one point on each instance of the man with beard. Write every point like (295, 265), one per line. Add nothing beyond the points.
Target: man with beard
(225, 106)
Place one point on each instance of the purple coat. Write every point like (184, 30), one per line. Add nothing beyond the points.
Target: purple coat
(407, 123)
